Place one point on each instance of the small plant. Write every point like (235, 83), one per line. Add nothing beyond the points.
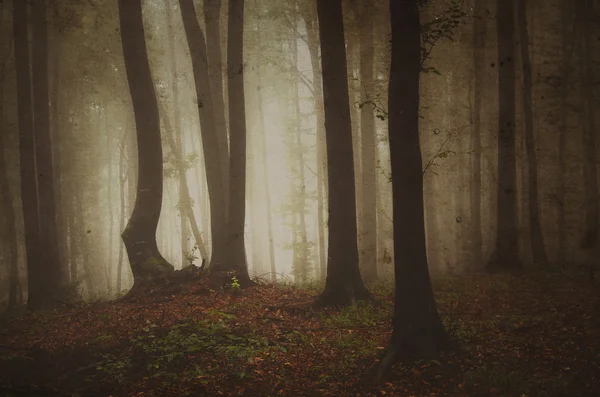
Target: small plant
(235, 285)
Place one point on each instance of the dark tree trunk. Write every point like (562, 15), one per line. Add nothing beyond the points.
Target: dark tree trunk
(38, 291)
(506, 255)
(139, 236)
(212, 18)
(590, 242)
(43, 147)
(479, 63)
(368, 148)
(343, 284)
(217, 189)
(417, 329)
(236, 263)
(537, 238)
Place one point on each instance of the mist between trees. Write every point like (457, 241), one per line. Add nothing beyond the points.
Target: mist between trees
(295, 142)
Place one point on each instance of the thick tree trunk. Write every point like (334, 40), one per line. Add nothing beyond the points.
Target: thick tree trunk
(537, 238)
(479, 63)
(343, 284)
(212, 18)
(368, 149)
(417, 329)
(506, 256)
(236, 263)
(38, 291)
(43, 146)
(217, 188)
(139, 236)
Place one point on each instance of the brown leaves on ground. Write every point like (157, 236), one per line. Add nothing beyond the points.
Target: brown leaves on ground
(534, 335)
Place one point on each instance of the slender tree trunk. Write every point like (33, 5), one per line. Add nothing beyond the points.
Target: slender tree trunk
(217, 188)
(417, 329)
(7, 207)
(537, 238)
(368, 149)
(37, 288)
(265, 178)
(313, 48)
(43, 146)
(343, 284)
(73, 242)
(139, 236)
(111, 216)
(212, 18)
(590, 241)
(506, 256)
(236, 215)
(569, 22)
(122, 180)
(479, 63)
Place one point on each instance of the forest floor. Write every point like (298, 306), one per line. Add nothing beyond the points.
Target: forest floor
(531, 335)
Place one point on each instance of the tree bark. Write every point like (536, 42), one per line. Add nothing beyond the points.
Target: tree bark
(236, 263)
(418, 332)
(506, 255)
(212, 18)
(37, 278)
(43, 146)
(537, 238)
(479, 63)
(343, 284)
(368, 148)
(139, 236)
(217, 188)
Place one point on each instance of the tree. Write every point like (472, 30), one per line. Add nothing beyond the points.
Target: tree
(217, 187)
(139, 236)
(343, 284)
(506, 253)
(236, 215)
(537, 238)
(417, 329)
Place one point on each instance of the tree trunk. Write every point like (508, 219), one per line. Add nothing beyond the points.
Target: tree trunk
(368, 149)
(265, 178)
(212, 18)
(38, 291)
(43, 146)
(590, 242)
(313, 48)
(236, 215)
(217, 188)
(506, 256)
(537, 238)
(343, 284)
(418, 332)
(139, 236)
(122, 180)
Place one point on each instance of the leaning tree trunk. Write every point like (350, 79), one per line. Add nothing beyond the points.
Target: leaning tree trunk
(236, 263)
(139, 236)
(537, 238)
(217, 187)
(343, 284)
(506, 255)
(417, 329)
